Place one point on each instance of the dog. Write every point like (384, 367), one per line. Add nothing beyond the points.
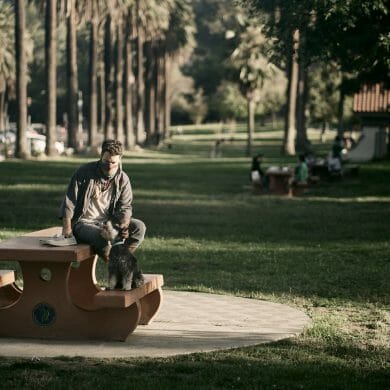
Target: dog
(123, 271)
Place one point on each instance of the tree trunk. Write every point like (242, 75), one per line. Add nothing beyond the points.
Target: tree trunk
(72, 76)
(22, 150)
(140, 134)
(251, 123)
(167, 93)
(128, 83)
(340, 110)
(51, 75)
(290, 127)
(302, 142)
(159, 92)
(150, 93)
(2, 109)
(93, 94)
(108, 78)
(119, 82)
(102, 95)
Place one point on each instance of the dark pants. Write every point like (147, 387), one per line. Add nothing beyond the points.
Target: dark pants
(89, 233)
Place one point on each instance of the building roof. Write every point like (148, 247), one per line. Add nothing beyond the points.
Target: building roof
(372, 99)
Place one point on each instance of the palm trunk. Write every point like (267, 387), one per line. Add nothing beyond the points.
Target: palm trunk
(93, 94)
(128, 83)
(251, 123)
(102, 96)
(51, 75)
(159, 93)
(167, 93)
(2, 111)
(72, 76)
(290, 128)
(140, 134)
(22, 150)
(150, 93)
(108, 79)
(301, 143)
(119, 82)
(340, 109)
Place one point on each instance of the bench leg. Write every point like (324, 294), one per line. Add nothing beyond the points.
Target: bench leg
(9, 295)
(149, 306)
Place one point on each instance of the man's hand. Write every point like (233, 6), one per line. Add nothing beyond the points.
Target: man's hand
(124, 233)
(123, 229)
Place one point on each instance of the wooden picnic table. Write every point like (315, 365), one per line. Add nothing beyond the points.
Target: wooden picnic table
(278, 180)
(61, 298)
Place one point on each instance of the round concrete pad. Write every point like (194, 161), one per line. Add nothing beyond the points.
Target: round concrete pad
(187, 323)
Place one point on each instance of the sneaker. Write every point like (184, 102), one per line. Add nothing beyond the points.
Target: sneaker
(59, 240)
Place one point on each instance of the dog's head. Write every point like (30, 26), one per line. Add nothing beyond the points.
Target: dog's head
(108, 232)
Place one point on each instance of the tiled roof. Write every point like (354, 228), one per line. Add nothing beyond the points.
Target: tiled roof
(372, 99)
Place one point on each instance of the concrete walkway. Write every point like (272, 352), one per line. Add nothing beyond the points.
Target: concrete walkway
(187, 323)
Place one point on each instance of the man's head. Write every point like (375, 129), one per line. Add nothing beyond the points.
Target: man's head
(110, 157)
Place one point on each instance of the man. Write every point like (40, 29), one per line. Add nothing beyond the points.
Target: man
(100, 191)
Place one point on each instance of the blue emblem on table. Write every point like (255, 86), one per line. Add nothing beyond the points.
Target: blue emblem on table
(43, 314)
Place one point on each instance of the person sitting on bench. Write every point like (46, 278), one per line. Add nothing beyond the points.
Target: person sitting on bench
(301, 172)
(100, 191)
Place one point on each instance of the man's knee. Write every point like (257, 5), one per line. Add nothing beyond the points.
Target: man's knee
(137, 231)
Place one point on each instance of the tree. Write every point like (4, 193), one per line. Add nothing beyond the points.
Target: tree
(51, 74)
(21, 150)
(71, 47)
(7, 59)
(208, 64)
(180, 35)
(250, 57)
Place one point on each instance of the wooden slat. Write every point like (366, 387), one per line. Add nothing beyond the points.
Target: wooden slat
(122, 299)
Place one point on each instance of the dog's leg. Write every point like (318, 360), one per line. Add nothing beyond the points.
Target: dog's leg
(112, 281)
(127, 281)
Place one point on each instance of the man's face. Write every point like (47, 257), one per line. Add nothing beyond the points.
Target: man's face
(110, 163)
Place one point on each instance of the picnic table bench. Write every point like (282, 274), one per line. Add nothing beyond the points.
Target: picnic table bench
(61, 298)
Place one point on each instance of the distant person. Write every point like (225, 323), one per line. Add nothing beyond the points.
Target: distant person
(257, 176)
(335, 158)
(301, 172)
(216, 151)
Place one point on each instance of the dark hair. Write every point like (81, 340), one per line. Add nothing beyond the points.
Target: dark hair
(302, 157)
(256, 162)
(113, 147)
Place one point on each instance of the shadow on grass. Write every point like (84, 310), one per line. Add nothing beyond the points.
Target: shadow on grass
(281, 365)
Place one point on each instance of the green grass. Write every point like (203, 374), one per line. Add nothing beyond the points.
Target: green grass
(327, 253)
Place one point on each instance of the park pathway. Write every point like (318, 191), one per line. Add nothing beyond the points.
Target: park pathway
(188, 322)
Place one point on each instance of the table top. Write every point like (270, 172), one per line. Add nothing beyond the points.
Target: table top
(29, 248)
(279, 172)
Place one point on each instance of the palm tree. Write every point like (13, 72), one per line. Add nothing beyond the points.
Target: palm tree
(250, 57)
(180, 33)
(293, 74)
(93, 65)
(119, 63)
(7, 59)
(129, 79)
(71, 47)
(51, 74)
(140, 107)
(21, 150)
(108, 78)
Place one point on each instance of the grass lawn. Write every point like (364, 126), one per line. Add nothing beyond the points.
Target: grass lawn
(326, 253)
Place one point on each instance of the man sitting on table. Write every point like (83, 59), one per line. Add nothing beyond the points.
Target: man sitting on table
(100, 191)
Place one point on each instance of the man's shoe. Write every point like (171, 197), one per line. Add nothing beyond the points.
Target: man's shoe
(59, 241)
